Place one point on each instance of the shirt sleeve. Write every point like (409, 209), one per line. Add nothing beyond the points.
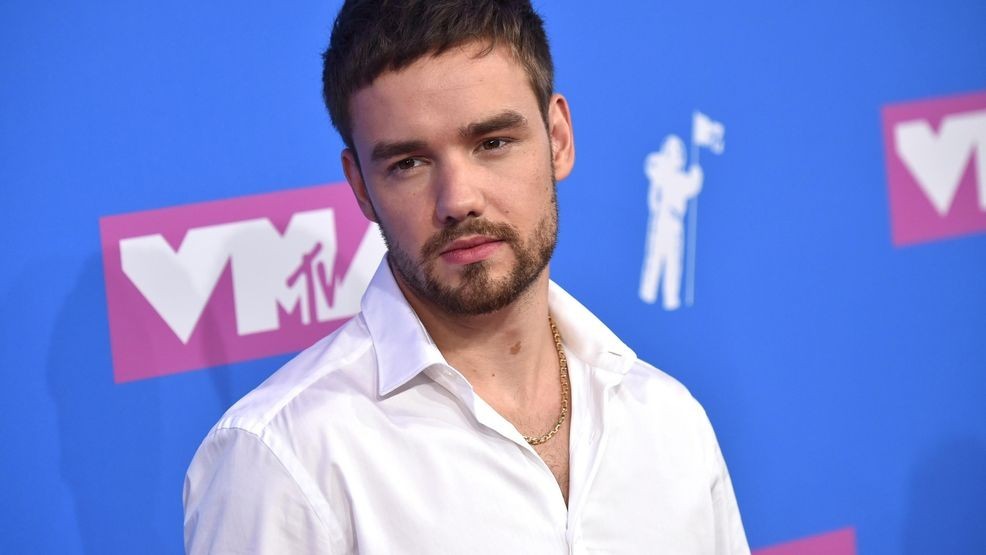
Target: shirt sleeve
(730, 536)
(240, 497)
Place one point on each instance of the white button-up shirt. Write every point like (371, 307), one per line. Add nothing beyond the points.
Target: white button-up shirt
(370, 442)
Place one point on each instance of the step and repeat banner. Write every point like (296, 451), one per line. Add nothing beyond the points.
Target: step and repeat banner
(781, 205)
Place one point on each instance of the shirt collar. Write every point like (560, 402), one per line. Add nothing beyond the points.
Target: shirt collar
(404, 349)
(402, 345)
(587, 337)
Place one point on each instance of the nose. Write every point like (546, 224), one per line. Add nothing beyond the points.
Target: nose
(458, 194)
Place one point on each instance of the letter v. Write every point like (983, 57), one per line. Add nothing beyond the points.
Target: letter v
(937, 162)
(178, 284)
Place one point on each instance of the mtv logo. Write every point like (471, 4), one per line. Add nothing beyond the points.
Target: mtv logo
(226, 281)
(936, 167)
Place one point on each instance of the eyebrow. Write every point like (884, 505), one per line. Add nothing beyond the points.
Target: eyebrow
(504, 120)
(383, 151)
(507, 119)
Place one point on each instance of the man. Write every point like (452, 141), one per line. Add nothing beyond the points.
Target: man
(472, 406)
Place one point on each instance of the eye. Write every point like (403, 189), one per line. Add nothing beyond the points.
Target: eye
(494, 144)
(406, 164)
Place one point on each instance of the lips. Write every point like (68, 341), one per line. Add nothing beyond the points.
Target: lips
(468, 243)
(471, 249)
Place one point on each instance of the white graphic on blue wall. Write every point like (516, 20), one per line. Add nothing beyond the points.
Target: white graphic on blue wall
(673, 199)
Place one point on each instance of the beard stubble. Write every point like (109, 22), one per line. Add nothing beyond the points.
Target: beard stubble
(478, 291)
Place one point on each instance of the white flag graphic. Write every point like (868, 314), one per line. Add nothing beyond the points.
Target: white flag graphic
(709, 133)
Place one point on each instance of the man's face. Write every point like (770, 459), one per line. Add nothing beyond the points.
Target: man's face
(457, 167)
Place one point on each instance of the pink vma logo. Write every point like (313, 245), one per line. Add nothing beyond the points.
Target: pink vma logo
(232, 280)
(936, 167)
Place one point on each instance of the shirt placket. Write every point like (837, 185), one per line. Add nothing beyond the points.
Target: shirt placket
(457, 385)
(598, 417)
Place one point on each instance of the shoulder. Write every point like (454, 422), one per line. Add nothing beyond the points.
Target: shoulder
(648, 383)
(652, 394)
(342, 363)
(265, 448)
(666, 417)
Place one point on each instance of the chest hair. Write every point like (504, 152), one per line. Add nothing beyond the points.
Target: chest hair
(554, 453)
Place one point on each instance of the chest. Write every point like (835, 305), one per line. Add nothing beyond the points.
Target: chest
(420, 474)
(424, 491)
(555, 454)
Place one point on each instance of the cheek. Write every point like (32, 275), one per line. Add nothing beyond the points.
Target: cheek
(528, 187)
(405, 223)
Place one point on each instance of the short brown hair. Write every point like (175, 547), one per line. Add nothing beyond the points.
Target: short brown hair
(370, 37)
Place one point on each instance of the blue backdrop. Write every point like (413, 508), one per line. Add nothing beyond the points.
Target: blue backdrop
(846, 377)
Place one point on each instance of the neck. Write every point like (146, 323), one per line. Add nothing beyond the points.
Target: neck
(508, 355)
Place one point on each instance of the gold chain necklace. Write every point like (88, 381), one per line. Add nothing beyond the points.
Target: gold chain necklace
(563, 366)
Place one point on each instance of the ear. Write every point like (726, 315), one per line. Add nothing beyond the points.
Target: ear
(354, 175)
(561, 136)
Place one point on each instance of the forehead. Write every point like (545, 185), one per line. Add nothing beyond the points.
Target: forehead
(438, 93)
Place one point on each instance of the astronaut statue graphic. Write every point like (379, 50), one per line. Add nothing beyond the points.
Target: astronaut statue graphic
(673, 198)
